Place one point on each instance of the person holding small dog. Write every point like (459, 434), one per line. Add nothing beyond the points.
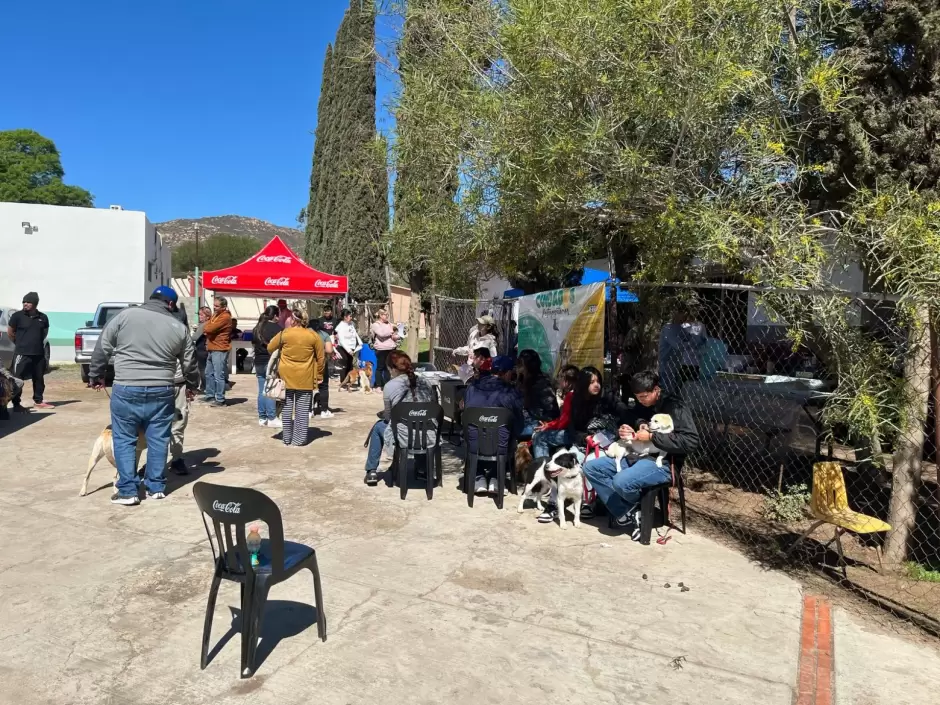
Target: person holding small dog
(620, 492)
(146, 344)
(404, 385)
(301, 365)
(384, 340)
(348, 344)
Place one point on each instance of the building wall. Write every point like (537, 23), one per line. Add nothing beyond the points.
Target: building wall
(74, 258)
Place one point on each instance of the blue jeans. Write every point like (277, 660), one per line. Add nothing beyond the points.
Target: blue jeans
(216, 367)
(151, 410)
(266, 408)
(543, 441)
(376, 442)
(620, 492)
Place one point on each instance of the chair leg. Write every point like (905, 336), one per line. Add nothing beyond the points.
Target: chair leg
(512, 474)
(646, 517)
(439, 467)
(470, 477)
(881, 567)
(802, 536)
(248, 594)
(403, 475)
(664, 506)
(259, 601)
(431, 460)
(318, 595)
(680, 486)
(500, 480)
(210, 610)
(845, 574)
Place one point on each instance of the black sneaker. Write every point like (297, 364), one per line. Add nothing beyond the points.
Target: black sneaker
(126, 500)
(216, 404)
(179, 467)
(372, 478)
(20, 409)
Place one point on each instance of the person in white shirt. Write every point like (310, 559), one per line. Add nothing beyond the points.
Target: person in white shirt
(348, 343)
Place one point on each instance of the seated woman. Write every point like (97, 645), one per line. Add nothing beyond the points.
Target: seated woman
(620, 492)
(403, 386)
(539, 403)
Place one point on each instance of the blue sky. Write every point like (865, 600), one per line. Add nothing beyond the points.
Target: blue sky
(180, 108)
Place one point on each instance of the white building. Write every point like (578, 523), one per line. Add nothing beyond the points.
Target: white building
(75, 258)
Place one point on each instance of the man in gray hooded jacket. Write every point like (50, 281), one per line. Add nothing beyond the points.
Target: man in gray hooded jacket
(145, 344)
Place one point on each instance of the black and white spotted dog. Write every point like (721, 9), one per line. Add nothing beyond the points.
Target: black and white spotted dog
(563, 471)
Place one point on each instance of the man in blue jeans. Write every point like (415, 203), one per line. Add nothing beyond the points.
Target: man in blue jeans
(145, 344)
(620, 492)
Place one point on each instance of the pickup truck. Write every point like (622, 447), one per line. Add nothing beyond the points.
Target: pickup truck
(87, 338)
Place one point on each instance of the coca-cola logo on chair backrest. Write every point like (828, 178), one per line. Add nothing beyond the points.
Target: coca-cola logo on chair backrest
(227, 507)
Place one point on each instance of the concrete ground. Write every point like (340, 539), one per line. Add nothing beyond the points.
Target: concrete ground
(426, 602)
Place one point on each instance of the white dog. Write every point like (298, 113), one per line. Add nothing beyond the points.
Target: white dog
(564, 472)
(661, 423)
(104, 447)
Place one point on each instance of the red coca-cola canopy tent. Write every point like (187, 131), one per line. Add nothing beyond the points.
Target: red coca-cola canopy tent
(275, 273)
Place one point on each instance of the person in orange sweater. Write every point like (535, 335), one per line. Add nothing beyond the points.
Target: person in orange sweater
(218, 332)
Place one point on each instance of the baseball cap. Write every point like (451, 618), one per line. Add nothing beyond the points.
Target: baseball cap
(503, 363)
(165, 293)
(486, 320)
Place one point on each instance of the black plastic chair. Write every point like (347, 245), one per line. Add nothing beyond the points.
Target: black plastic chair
(421, 419)
(451, 394)
(232, 508)
(650, 518)
(488, 421)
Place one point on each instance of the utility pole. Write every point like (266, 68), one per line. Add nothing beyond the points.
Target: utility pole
(198, 262)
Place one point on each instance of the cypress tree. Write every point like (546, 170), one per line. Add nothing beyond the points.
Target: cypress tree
(349, 184)
(319, 173)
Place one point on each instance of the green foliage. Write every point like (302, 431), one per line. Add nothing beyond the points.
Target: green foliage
(916, 571)
(575, 127)
(347, 212)
(31, 172)
(215, 252)
(787, 506)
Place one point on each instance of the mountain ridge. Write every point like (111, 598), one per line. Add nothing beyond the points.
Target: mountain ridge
(179, 230)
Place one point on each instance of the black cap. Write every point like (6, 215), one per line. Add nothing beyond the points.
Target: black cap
(31, 298)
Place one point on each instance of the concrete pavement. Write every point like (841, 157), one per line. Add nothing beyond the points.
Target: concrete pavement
(425, 601)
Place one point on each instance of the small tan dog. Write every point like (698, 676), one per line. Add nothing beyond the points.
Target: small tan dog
(104, 448)
(356, 375)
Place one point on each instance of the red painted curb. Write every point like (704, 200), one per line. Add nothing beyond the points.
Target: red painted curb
(816, 677)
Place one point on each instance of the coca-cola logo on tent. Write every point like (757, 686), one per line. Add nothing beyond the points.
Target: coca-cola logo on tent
(225, 280)
(327, 283)
(283, 259)
(277, 281)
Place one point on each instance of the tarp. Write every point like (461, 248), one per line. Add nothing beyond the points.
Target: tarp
(275, 272)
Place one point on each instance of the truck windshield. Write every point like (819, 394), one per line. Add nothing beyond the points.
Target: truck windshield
(107, 314)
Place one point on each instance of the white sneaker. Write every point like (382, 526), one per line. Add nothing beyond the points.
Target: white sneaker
(492, 486)
(275, 423)
(326, 414)
(262, 422)
(480, 485)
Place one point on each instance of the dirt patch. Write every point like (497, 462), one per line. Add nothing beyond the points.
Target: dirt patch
(489, 581)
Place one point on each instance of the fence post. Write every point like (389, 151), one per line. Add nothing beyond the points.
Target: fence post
(432, 329)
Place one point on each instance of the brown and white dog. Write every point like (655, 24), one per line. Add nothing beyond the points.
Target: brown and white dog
(564, 472)
(355, 375)
(104, 448)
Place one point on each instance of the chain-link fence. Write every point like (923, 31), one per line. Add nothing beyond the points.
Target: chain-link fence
(454, 318)
(779, 381)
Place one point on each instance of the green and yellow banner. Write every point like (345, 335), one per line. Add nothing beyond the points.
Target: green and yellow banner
(564, 326)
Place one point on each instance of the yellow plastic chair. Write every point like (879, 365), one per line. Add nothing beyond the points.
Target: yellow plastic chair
(830, 505)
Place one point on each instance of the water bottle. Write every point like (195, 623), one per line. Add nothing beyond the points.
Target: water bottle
(254, 544)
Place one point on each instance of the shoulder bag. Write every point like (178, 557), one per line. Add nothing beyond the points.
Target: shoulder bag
(274, 387)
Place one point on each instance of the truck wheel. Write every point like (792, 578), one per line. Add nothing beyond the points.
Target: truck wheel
(85, 378)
